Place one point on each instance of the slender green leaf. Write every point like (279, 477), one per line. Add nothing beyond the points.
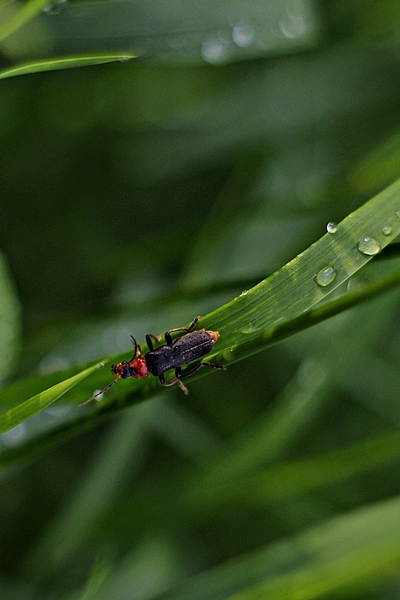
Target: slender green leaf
(27, 409)
(65, 62)
(255, 318)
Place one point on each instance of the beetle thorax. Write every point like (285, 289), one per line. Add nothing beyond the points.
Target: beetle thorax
(139, 368)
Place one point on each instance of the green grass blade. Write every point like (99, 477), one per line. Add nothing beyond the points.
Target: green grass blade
(65, 62)
(252, 320)
(27, 409)
(330, 308)
(359, 549)
(275, 308)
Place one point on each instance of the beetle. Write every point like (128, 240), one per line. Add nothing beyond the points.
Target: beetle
(170, 356)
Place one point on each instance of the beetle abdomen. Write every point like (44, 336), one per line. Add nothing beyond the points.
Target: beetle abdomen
(182, 351)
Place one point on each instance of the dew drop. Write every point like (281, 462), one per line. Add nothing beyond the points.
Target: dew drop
(331, 227)
(54, 8)
(294, 23)
(397, 213)
(325, 276)
(214, 50)
(387, 230)
(242, 35)
(228, 353)
(369, 246)
(293, 29)
(250, 328)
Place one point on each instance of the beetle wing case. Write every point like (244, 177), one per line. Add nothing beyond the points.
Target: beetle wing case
(184, 350)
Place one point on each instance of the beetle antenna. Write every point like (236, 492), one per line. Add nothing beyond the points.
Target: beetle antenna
(101, 392)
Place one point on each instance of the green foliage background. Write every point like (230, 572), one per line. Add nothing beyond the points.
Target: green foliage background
(137, 194)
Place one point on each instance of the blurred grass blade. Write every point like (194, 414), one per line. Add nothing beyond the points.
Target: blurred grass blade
(28, 11)
(359, 549)
(272, 436)
(219, 32)
(307, 474)
(27, 409)
(10, 320)
(289, 479)
(121, 454)
(65, 62)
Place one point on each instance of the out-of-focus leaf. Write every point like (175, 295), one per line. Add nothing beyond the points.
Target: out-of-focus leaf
(28, 11)
(359, 548)
(10, 320)
(215, 32)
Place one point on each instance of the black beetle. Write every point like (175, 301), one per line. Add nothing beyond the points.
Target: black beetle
(171, 355)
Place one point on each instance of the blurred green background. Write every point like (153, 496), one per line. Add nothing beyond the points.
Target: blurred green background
(138, 194)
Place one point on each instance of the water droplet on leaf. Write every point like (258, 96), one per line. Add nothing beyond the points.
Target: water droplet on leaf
(54, 8)
(369, 246)
(242, 35)
(386, 230)
(250, 328)
(325, 276)
(214, 50)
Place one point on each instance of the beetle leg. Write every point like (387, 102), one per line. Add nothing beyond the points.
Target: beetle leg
(192, 325)
(183, 387)
(149, 340)
(213, 365)
(176, 380)
(180, 375)
(138, 350)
